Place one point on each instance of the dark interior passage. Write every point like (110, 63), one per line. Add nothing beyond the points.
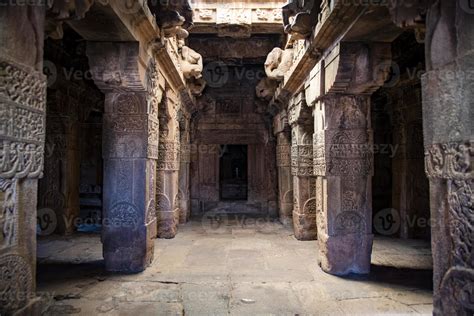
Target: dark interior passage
(233, 172)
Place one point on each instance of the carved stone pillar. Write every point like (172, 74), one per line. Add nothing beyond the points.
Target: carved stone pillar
(167, 193)
(59, 189)
(22, 132)
(184, 171)
(409, 183)
(339, 91)
(304, 208)
(343, 166)
(130, 146)
(285, 179)
(448, 117)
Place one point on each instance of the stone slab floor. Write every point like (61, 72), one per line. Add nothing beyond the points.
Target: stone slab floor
(235, 267)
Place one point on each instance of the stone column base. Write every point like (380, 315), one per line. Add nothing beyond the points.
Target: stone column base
(168, 224)
(132, 252)
(341, 255)
(304, 226)
(286, 210)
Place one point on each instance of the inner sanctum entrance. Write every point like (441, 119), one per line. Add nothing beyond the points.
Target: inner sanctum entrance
(233, 172)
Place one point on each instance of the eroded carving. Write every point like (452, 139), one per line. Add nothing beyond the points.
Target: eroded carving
(8, 214)
(16, 283)
(449, 161)
(168, 156)
(124, 214)
(266, 89)
(278, 63)
(299, 17)
(349, 222)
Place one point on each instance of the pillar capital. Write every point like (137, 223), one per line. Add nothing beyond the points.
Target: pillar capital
(117, 66)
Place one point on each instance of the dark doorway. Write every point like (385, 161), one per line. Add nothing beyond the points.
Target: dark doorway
(233, 172)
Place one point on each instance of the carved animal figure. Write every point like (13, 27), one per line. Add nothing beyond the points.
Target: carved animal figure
(197, 86)
(72, 9)
(191, 63)
(172, 13)
(266, 89)
(278, 63)
(299, 17)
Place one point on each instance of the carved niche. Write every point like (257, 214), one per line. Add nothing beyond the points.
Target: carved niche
(22, 121)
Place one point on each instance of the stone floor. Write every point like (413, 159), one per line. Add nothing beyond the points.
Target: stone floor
(236, 267)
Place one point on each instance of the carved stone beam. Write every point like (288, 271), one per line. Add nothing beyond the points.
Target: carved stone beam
(60, 11)
(116, 66)
(357, 68)
(163, 53)
(298, 111)
(350, 68)
(410, 14)
(329, 31)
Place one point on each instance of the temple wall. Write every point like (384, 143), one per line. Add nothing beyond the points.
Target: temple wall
(229, 117)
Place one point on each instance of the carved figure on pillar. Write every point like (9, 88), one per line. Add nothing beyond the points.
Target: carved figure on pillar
(304, 212)
(167, 194)
(184, 171)
(285, 178)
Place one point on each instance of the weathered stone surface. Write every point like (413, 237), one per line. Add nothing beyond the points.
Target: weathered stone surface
(207, 271)
(22, 131)
(285, 178)
(304, 211)
(130, 151)
(278, 63)
(343, 187)
(167, 168)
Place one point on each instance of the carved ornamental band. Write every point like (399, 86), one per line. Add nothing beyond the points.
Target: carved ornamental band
(22, 121)
(168, 156)
(450, 161)
(302, 160)
(283, 155)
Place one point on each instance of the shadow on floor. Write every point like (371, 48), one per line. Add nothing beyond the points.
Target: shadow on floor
(421, 279)
(58, 272)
